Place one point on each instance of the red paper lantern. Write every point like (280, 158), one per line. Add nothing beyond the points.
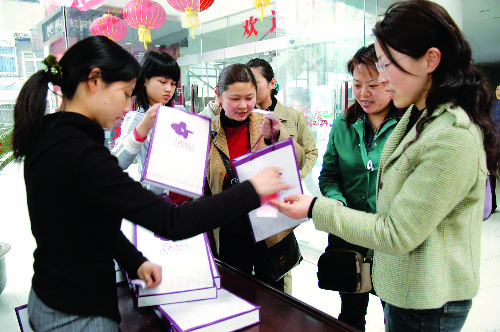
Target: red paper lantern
(191, 9)
(145, 15)
(110, 26)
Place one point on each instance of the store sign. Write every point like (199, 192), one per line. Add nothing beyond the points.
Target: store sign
(250, 28)
(53, 26)
(75, 22)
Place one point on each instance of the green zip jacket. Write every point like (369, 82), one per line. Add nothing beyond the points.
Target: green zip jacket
(349, 172)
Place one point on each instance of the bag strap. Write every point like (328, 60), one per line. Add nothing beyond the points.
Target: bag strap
(369, 256)
(229, 169)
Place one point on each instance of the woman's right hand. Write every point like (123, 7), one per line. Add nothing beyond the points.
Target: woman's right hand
(295, 206)
(143, 128)
(268, 182)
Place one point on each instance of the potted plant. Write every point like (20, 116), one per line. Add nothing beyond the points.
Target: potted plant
(6, 153)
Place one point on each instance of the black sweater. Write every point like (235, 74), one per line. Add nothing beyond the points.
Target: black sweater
(77, 195)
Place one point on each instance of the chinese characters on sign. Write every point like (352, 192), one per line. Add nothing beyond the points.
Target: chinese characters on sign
(70, 21)
(249, 26)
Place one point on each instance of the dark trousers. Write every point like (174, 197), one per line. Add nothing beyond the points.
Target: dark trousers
(353, 309)
(450, 317)
(245, 255)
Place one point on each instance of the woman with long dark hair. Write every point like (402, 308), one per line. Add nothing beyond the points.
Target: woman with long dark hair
(77, 194)
(432, 174)
(161, 75)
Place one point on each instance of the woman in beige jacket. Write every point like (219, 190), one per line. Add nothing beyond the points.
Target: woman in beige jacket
(235, 130)
(293, 121)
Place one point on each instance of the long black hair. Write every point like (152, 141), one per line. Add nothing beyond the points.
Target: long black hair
(412, 27)
(115, 63)
(364, 56)
(157, 64)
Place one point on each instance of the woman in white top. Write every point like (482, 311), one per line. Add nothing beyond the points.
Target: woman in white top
(161, 73)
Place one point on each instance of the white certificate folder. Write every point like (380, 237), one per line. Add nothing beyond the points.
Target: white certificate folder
(178, 152)
(187, 270)
(267, 221)
(228, 312)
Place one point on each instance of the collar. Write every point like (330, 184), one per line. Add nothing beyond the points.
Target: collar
(227, 122)
(86, 125)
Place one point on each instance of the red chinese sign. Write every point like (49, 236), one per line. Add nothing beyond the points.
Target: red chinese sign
(250, 29)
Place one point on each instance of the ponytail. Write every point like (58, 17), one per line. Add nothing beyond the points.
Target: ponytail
(29, 111)
(115, 63)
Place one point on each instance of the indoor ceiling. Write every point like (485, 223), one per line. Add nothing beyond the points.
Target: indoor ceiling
(481, 27)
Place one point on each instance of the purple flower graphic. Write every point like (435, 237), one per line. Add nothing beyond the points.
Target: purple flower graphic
(181, 130)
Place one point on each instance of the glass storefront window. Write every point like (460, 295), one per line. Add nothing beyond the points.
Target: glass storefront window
(308, 44)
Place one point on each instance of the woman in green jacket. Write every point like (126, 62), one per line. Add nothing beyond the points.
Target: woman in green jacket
(432, 174)
(350, 163)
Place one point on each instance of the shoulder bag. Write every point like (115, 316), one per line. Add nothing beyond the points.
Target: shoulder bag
(345, 270)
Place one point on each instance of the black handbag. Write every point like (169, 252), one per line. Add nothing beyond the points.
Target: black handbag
(345, 270)
(281, 257)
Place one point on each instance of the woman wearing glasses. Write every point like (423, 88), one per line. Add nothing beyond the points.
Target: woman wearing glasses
(432, 174)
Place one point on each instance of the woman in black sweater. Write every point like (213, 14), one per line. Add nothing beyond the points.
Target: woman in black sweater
(77, 194)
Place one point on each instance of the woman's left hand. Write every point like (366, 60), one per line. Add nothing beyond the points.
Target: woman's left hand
(270, 128)
(150, 273)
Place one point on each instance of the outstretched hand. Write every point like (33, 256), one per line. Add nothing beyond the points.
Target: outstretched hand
(295, 206)
(148, 121)
(268, 182)
(150, 273)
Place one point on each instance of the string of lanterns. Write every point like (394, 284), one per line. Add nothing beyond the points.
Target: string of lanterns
(147, 15)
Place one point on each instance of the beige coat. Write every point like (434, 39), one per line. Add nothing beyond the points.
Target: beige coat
(295, 124)
(430, 197)
(215, 167)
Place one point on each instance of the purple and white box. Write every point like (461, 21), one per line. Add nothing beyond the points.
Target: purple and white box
(187, 272)
(178, 152)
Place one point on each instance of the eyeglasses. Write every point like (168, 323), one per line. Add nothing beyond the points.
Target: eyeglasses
(381, 66)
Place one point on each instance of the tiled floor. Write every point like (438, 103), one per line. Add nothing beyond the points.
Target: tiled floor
(14, 229)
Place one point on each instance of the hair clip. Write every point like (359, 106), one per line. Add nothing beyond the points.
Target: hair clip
(276, 87)
(53, 67)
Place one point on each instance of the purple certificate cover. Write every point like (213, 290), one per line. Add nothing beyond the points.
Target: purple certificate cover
(227, 312)
(213, 266)
(267, 221)
(178, 152)
(187, 269)
(23, 319)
